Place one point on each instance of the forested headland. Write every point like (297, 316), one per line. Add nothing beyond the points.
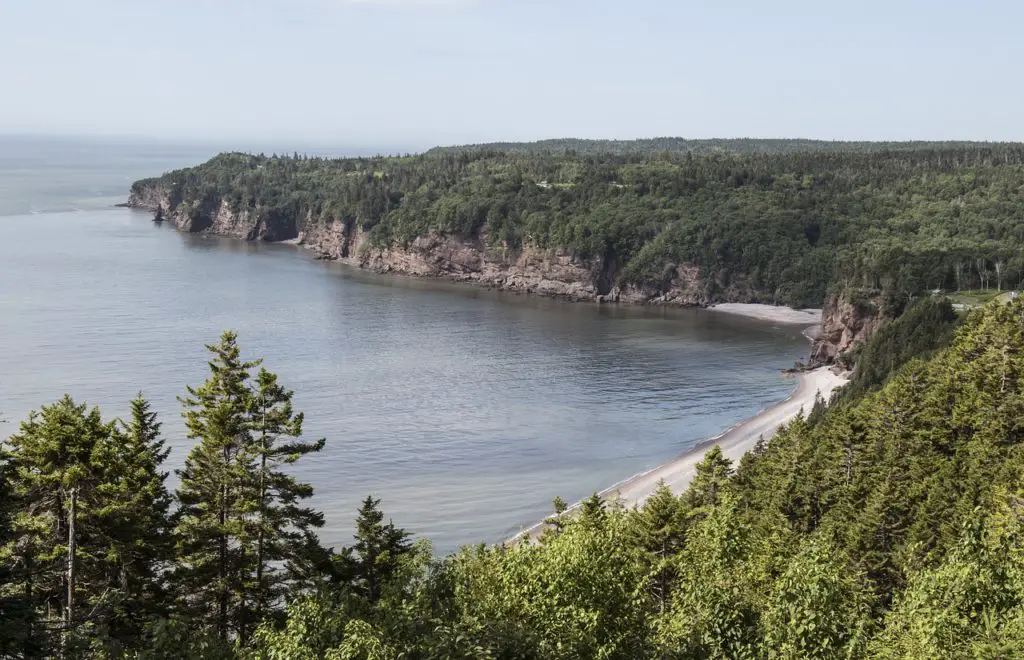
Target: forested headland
(693, 222)
(888, 524)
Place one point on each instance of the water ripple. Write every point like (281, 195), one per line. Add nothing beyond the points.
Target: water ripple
(465, 410)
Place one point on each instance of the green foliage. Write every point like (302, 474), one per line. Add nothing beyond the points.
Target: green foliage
(243, 538)
(816, 609)
(378, 551)
(659, 529)
(87, 511)
(580, 594)
(924, 327)
(889, 526)
(287, 552)
(969, 604)
(710, 481)
(16, 611)
(213, 533)
(137, 511)
(175, 639)
(714, 606)
(781, 221)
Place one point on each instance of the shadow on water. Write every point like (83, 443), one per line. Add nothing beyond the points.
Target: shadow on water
(675, 319)
(465, 409)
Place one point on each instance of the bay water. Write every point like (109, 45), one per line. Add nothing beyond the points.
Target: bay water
(465, 410)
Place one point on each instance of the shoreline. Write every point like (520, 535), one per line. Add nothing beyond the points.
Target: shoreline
(735, 441)
(778, 314)
(771, 313)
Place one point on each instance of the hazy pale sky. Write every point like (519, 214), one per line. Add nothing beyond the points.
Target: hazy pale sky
(421, 72)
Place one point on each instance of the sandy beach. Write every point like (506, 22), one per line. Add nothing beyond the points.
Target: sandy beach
(771, 313)
(734, 443)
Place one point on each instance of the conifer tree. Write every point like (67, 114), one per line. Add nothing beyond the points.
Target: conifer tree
(16, 615)
(713, 613)
(55, 551)
(712, 478)
(212, 533)
(557, 524)
(377, 550)
(592, 510)
(287, 549)
(659, 529)
(243, 538)
(135, 508)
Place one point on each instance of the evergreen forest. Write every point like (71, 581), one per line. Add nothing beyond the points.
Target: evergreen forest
(889, 524)
(774, 221)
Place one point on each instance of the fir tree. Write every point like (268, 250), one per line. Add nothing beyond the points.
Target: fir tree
(244, 539)
(557, 524)
(592, 509)
(713, 473)
(212, 534)
(55, 551)
(377, 550)
(135, 510)
(659, 529)
(287, 549)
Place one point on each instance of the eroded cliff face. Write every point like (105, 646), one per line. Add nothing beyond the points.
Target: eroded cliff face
(152, 198)
(213, 217)
(548, 272)
(529, 269)
(844, 324)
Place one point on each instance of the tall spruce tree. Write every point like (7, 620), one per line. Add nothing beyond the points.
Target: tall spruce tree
(287, 550)
(710, 481)
(212, 534)
(659, 529)
(135, 508)
(243, 538)
(55, 551)
(592, 510)
(555, 522)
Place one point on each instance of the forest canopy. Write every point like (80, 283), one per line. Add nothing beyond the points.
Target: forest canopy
(891, 526)
(777, 221)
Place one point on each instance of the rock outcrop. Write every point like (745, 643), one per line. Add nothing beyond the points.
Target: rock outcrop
(844, 324)
(543, 271)
(529, 269)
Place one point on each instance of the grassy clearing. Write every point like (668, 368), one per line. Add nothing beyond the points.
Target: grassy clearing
(977, 298)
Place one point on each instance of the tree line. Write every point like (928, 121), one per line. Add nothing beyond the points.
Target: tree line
(888, 525)
(99, 559)
(765, 221)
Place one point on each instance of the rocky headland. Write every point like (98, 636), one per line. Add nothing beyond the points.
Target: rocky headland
(548, 272)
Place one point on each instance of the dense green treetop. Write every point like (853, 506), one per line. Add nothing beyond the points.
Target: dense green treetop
(890, 526)
(926, 325)
(705, 146)
(777, 221)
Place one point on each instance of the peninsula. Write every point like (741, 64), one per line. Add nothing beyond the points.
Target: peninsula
(857, 228)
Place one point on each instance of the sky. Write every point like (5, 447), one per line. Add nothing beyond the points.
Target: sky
(415, 73)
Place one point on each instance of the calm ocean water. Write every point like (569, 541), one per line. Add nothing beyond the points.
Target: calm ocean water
(465, 410)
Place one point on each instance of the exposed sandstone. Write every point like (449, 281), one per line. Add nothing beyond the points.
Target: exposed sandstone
(543, 271)
(844, 324)
(530, 269)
